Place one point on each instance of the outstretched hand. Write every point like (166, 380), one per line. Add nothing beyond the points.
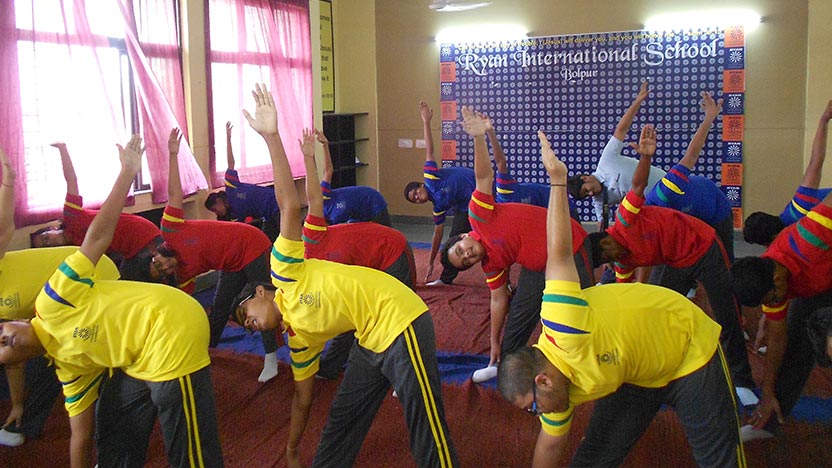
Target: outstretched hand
(228, 128)
(554, 166)
(131, 155)
(307, 143)
(8, 171)
(174, 140)
(264, 121)
(646, 145)
(644, 90)
(712, 108)
(425, 111)
(472, 122)
(58, 144)
(489, 125)
(321, 137)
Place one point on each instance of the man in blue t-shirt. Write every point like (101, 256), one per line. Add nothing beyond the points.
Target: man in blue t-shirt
(697, 195)
(449, 189)
(349, 204)
(240, 200)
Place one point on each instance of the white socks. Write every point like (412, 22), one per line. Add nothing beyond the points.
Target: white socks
(482, 375)
(746, 396)
(269, 367)
(11, 439)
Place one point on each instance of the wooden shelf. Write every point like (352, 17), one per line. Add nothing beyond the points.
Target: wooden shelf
(340, 130)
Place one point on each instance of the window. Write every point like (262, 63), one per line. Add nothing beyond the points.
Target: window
(258, 41)
(90, 73)
(64, 74)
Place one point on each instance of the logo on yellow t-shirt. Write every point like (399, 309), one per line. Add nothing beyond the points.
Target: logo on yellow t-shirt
(11, 301)
(311, 299)
(609, 357)
(86, 333)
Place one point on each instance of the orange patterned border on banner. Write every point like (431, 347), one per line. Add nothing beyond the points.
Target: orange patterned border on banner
(448, 110)
(733, 81)
(447, 72)
(737, 212)
(733, 127)
(735, 36)
(732, 174)
(449, 150)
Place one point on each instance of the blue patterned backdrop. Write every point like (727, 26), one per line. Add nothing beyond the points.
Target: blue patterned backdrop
(575, 88)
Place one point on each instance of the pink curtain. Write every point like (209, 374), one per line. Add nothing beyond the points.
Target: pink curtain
(258, 41)
(11, 134)
(67, 78)
(153, 46)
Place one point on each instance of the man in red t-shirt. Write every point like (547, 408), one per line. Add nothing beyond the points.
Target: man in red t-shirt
(366, 244)
(504, 234)
(238, 251)
(136, 245)
(688, 248)
(792, 279)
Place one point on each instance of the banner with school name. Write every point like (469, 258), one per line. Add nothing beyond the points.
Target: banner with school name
(575, 88)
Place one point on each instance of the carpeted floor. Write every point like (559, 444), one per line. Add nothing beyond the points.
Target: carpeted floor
(487, 431)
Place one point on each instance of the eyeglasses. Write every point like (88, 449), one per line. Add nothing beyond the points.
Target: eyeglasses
(533, 410)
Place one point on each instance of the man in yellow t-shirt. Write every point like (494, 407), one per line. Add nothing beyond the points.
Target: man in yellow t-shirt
(317, 300)
(33, 387)
(632, 347)
(156, 335)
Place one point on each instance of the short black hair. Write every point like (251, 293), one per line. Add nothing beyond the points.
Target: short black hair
(595, 247)
(247, 293)
(819, 327)
(517, 371)
(573, 186)
(761, 228)
(213, 197)
(137, 268)
(752, 278)
(443, 254)
(409, 187)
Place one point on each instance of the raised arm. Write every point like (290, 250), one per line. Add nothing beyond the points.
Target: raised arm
(427, 114)
(68, 169)
(811, 178)
(646, 149)
(103, 226)
(627, 119)
(496, 148)
(229, 151)
(314, 196)
(327, 156)
(174, 183)
(560, 265)
(6, 203)
(264, 122)
(474, 125)
(712, 109)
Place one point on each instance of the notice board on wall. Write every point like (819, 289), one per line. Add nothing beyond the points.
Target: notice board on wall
(575, 88)
(327, 58)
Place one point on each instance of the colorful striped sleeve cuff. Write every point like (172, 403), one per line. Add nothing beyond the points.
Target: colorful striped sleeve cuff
(557, 424)
(73, 204)
(232, 179)
(431, 171)
(776, 312)
(286, 261)
(172, 219)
